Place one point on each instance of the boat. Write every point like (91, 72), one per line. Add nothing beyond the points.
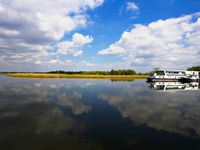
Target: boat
(163, 75)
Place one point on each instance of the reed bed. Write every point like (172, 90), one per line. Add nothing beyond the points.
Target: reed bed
(47, 75)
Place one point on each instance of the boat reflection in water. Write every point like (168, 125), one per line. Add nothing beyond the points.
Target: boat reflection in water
(173, 86)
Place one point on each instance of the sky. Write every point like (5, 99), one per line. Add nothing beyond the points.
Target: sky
(46, 35)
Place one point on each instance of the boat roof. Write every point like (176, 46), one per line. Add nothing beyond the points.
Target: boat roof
(171, 70)
(174, 70)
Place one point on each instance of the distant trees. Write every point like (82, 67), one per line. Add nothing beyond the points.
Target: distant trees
(112, 72)
(122, 72)
(96, 72)
(82, 72)
(58, 71)
(194, 68)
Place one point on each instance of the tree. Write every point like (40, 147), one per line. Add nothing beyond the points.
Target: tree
(140, 73)
(194, 68)
(112, 72)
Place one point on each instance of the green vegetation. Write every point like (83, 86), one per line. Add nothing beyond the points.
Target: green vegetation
(81, 72)
(112, 72)
(122, 72)
(114, 75)
(194, 68)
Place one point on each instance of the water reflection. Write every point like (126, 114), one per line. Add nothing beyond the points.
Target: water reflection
(35, 115)
(173, 86)
(95, 114)
(174, 112)
(122, 79)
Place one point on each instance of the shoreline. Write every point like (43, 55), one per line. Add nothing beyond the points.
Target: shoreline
(80, 76)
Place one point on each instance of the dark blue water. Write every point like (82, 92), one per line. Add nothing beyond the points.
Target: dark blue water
(79, 114)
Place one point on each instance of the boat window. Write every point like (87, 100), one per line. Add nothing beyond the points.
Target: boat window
(160, 72)
(175, 72)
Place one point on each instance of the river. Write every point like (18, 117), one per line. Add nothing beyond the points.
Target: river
(84, 114)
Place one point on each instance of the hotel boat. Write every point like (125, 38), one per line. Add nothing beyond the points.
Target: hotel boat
(163, 75)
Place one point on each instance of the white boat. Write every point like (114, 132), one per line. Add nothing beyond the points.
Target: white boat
(173, 75)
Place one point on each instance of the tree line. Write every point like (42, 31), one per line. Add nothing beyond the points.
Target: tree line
(112, 72)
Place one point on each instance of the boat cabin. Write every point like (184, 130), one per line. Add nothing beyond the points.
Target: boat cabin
(173, 75)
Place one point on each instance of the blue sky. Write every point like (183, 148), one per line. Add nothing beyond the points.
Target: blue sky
(44, 35)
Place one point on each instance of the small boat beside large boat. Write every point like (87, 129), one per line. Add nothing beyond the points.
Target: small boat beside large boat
(163, 75)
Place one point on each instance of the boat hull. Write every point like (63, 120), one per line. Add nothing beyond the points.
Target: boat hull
(187, 80)
(150, 79)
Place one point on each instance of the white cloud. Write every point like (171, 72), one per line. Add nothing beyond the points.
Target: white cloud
(55, 61)
(87, 64)
(50, 19)
(80, 40)
(79, 53)
(131, 6)
(51, 62)
(171, 43)
(73, 47)
(30, 26)
(65, 65)
(77, 65)
(68, 61)
(113, 50)
(9, 32)
(38, 62)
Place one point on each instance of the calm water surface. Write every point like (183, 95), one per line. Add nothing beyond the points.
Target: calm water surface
(70, 114)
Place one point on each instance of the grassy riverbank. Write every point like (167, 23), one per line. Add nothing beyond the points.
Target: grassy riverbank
(81, 76)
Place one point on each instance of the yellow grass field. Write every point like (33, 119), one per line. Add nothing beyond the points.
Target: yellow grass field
(48, 75)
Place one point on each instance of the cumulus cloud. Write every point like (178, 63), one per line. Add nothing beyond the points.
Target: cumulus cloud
(31, 26)
(76, 64)
(71, 65)
(73, 47)
(48, 20)
(171, 43)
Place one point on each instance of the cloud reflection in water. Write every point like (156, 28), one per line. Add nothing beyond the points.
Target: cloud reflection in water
(176, 112)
